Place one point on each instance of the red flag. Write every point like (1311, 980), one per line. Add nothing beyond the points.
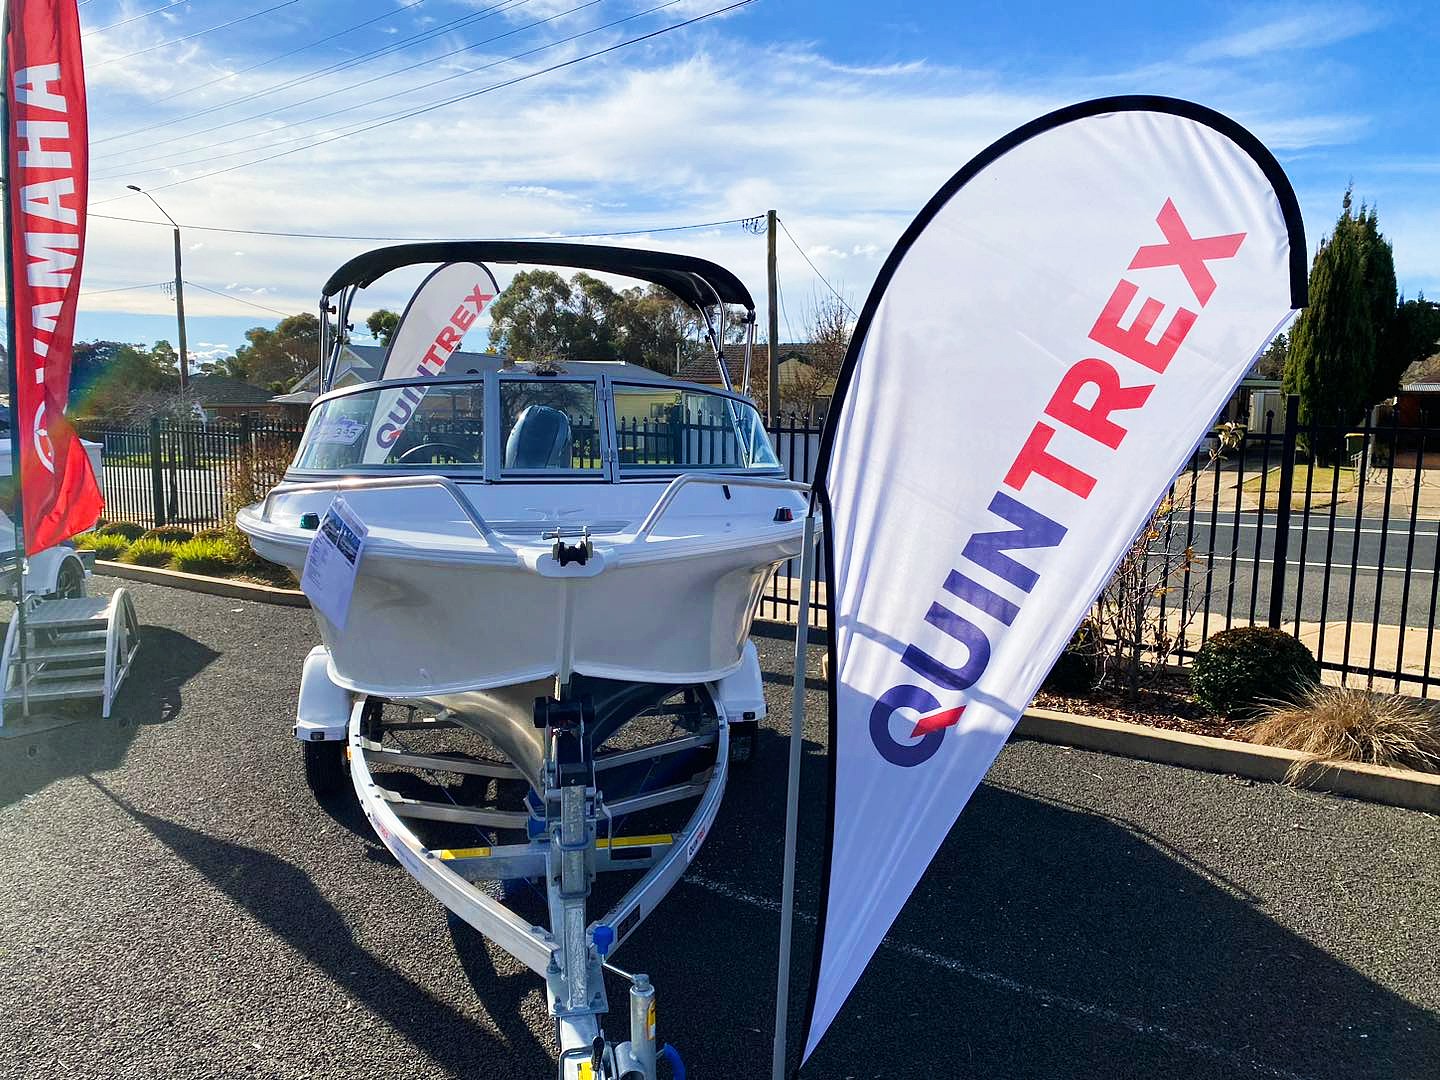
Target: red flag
(47, 166)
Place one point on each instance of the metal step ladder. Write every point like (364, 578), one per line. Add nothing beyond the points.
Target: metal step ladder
(74, 648)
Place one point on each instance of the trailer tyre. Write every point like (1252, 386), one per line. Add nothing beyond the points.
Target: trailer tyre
(326, 770)
(70, 582)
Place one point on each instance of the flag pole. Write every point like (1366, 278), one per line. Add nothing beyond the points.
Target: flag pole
(17, 514)
(792, 796)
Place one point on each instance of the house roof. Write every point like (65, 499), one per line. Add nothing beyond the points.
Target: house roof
(363, 363)
(702, 369)
(222, 390)
(1421, 388)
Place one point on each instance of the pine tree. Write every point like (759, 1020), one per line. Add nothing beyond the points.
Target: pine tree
(1332, 359)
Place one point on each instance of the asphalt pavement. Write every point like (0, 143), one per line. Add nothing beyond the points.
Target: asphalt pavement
(173, 903)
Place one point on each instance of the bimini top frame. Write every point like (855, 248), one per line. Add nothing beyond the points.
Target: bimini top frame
(697, 282)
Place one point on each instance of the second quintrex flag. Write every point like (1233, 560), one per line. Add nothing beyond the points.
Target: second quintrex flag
(1038, 358)
(47, 155)
(446, 305)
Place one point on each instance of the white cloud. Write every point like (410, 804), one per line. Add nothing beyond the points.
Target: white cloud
(1304, 31)
(691, 129)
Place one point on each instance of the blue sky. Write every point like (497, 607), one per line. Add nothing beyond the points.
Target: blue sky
(843, 116)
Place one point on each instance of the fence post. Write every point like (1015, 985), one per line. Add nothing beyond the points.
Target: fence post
(157, 477)
(1282, 512)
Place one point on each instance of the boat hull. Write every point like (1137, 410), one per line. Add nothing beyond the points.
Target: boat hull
(419, 628)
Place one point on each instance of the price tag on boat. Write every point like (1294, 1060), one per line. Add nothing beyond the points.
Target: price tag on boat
(329, 575)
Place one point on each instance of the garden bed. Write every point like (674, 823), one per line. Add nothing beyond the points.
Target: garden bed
(1167, 703)
(223, 554)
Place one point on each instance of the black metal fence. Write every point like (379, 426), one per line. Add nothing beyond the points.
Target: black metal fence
(1328, 531)
(194, 474)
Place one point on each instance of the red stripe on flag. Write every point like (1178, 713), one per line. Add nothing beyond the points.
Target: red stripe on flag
(937, 721)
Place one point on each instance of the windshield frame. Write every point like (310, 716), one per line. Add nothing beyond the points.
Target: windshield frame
(605, 384)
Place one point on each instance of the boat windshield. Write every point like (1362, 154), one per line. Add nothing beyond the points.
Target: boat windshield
(549, 425)
(660, 429)
(539, 426)
(415, 426)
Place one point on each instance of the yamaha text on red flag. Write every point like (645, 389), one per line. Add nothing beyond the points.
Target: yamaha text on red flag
(1039, 357)
(46, 147)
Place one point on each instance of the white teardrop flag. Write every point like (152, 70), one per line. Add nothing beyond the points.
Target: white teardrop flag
(444, 307)
(1039, 356)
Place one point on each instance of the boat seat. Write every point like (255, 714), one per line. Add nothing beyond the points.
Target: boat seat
(540, 440)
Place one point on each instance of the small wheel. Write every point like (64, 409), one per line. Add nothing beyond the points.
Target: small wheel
(326, 770)
(742, 740)
(70, 582)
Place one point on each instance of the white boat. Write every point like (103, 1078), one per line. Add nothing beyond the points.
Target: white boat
(550, 551)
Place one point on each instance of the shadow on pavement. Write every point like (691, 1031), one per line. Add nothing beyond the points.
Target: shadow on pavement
(282, 897)
(151, 694)
(1045, 941)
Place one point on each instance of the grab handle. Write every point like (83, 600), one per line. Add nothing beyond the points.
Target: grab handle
(718, 480)
(386, 483)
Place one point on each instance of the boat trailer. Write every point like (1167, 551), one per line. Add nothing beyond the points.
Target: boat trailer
(571, 828)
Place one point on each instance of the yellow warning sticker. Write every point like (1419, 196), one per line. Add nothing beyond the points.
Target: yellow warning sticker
(650, 1022)
(586, 1072)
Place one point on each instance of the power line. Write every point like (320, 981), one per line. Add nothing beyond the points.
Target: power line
(815, 269)
(135, 18)
(198, 33)
(125, 288)
(310, 76)
(405, 115)
(271, 60)
(238, 299)
(423, 239)
(127, 168)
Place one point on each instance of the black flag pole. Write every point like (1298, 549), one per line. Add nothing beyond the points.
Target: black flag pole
(17, 514)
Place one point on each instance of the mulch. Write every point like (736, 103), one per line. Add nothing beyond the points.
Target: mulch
(1164, 701)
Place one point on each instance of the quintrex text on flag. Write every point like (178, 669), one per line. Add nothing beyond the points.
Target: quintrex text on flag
(1100, 382)
(433, 363)
(444, 307)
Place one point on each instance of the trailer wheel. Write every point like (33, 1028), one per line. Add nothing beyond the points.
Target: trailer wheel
(326, 770)
(743, 734)
(70, 582)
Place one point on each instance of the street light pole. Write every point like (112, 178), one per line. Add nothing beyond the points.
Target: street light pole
(179, 291)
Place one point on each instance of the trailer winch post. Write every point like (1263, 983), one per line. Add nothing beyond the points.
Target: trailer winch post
(792, 794)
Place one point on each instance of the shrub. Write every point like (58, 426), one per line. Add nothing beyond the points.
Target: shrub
(128, 529)
(1237, 670)
(208, 555)
(149, 552)
(171, 534)
(1332, 724)
(1077, 668)
(106, 546)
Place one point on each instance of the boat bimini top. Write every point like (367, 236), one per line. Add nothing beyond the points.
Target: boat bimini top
(705, 286)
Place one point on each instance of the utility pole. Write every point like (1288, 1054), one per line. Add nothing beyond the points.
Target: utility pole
(772, 348)
(179, 292)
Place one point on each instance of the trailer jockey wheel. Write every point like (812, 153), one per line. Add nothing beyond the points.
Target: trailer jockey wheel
(743, 734)
(326, 770)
